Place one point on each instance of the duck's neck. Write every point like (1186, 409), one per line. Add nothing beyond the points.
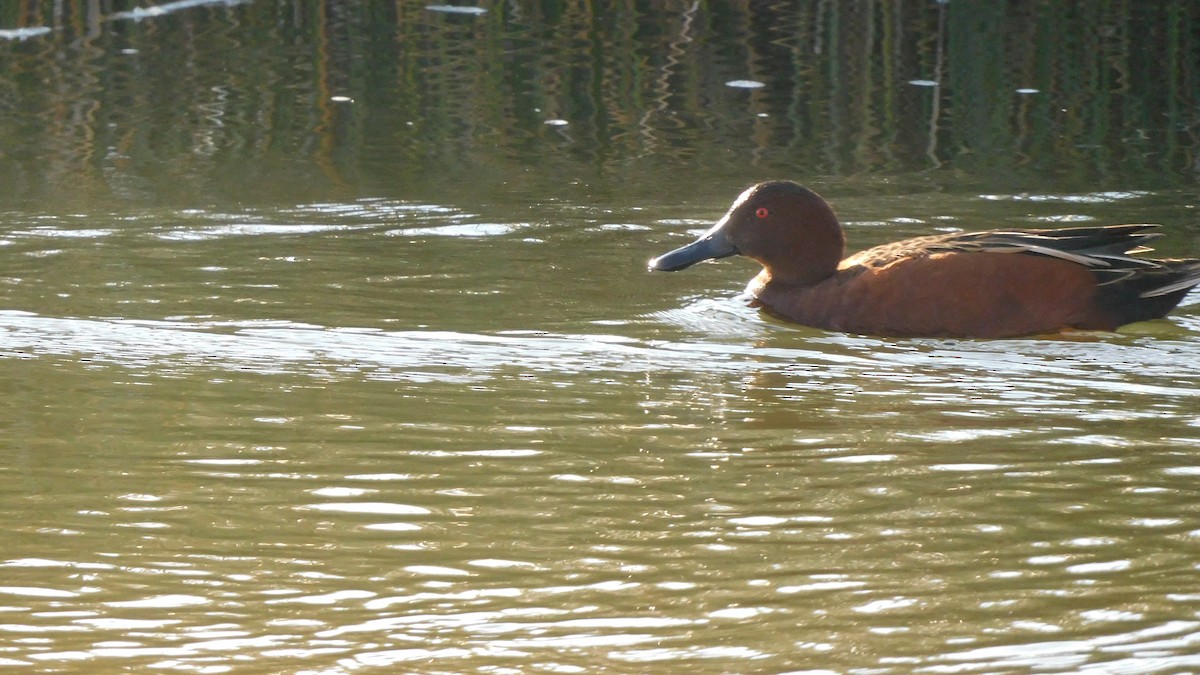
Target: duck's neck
(810, 261)
(771, 278)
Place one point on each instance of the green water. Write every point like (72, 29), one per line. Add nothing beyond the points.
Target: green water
(296, 384)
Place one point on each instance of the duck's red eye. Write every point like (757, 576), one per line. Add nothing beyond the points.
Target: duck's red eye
(762, 212)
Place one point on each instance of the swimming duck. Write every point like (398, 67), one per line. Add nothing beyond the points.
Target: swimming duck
(1002, 283)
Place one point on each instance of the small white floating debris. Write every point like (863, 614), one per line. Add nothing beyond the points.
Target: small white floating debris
(139, 13)
(23, 33)
(924, 83)
(341, 99)
(456, 9)
(745, 84)
(1028, 90)
(557, 123)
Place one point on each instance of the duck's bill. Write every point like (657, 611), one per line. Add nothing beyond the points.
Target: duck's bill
(711, 246)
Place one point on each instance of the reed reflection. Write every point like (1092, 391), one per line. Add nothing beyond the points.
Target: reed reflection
(235, 98)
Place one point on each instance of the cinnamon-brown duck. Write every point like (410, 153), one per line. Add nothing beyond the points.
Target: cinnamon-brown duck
(1001, 283)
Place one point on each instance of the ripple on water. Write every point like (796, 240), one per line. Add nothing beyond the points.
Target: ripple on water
(616, 499)
(376, 508)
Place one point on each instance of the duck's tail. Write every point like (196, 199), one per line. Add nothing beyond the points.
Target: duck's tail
(1140, 293)
(1180, 276)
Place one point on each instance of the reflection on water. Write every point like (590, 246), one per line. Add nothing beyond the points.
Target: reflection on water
(327, 343)
(280, 101)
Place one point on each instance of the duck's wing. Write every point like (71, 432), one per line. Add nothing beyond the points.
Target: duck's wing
(1113, 246)
(1109, 252)
(1097, 248)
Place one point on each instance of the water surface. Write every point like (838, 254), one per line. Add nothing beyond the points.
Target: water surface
(292, 387)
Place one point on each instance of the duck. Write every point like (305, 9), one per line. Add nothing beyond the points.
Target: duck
(992, 284)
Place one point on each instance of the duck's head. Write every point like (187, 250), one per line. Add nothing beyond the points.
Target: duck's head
(783, 225)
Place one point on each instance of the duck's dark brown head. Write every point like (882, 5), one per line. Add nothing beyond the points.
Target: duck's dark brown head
(783, 225)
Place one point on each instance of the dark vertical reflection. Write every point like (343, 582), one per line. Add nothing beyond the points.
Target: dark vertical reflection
(238, 100)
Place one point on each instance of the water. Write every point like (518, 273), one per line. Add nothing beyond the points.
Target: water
(244, 445)
(287, 407)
